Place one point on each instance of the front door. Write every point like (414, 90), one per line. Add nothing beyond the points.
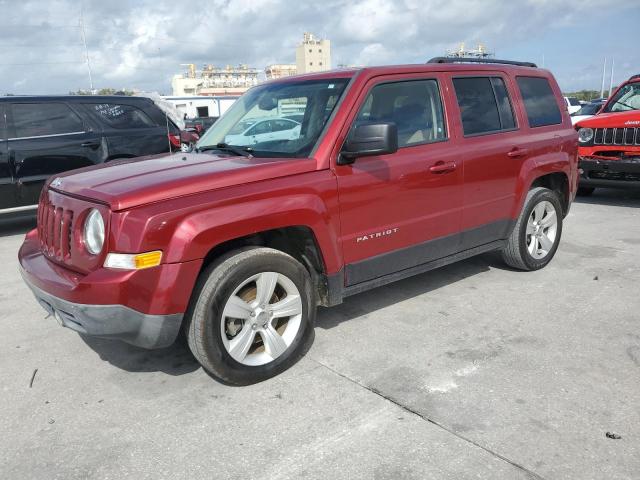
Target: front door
(402, 209)
(46, 139)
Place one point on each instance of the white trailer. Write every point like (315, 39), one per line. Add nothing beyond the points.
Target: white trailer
(201, 106)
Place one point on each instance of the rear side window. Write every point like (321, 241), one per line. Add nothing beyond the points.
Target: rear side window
(539, 101)
(484, 105)
(414, 106)
(41, 119)
(122, 116)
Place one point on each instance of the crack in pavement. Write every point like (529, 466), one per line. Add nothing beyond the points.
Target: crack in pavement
(407, 409)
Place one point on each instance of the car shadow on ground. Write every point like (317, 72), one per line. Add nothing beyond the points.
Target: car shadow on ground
(174, 360)
(18, 225)
(178, 360)
(613, 197)
(381, 297)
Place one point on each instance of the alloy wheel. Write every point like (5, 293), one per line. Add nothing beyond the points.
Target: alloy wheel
(261, 318)
(542, 228)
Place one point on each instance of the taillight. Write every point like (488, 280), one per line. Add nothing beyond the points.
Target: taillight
(174, 140)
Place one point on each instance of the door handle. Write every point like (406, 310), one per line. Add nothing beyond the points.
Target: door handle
(443, 167)
(91, 144)
(518, 152)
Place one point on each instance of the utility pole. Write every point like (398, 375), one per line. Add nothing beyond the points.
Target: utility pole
(84, 42)
(611, 80)
(604, 72)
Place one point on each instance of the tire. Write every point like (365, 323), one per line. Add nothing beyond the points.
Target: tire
(521, 252)
(252, 346)
(585, 191)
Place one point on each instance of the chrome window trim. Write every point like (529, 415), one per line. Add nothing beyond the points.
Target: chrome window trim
(47, 136)
(18, 209)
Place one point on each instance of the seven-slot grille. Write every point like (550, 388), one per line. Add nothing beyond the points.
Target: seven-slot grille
(616, 136)
(54, 229)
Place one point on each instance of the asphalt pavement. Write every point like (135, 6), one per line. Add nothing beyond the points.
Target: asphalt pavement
(472, 371)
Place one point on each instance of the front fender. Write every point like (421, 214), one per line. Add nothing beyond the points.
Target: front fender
(187, 228)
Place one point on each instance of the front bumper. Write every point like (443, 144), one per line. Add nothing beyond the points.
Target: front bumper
(142, 307)
(623, 173)
(111, 321)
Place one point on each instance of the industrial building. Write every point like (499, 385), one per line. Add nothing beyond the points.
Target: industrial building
(212, 81)
(280, 70)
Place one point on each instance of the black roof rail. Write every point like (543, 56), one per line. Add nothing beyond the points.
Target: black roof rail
(633, 77)
(480, 60)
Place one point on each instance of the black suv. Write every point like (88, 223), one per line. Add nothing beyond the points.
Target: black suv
(43, 136)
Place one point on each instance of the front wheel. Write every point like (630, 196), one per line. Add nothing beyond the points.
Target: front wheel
(536, 235)
(252, 315)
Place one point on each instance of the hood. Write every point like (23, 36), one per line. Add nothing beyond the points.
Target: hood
(128, 183)
(630, 119)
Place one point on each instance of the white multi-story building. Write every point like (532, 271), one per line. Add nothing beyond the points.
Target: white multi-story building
(313, 55)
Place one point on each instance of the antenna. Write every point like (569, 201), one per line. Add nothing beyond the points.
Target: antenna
(84, 42)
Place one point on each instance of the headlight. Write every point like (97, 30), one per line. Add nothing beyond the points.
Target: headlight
(94, 232)
(585, 135)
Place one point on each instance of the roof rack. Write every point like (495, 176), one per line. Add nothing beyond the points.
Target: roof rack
(480, 60)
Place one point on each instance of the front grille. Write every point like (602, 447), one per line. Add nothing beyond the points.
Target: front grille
(618, 176)
(616, 136)
(54, 229)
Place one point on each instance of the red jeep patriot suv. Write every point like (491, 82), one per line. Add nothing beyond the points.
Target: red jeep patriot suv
(390, 172)
(609, 142)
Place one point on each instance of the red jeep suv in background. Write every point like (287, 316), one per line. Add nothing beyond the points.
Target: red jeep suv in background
(394, 171)
(609, 143)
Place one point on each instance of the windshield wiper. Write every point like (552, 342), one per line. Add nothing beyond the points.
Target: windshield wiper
(240, 151)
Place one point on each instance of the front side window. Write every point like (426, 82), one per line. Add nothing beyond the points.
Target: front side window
(484, 105)
(539, 101)
(122, 116)
(414, 106)
(257, 120)
(41, 119)
(625, 99)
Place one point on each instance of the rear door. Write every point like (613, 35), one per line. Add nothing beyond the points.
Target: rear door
(489, 148)
(7, 184)
(46, 139)
(131, 130)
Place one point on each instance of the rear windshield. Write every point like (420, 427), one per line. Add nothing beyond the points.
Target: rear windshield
(539, 101)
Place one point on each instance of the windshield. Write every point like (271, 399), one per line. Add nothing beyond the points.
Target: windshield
(278, 119)
(589, 109)
(625, 99)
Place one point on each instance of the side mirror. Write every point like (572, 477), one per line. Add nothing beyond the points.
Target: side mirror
(368, 140)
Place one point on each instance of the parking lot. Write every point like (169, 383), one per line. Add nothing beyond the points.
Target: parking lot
(470, 371)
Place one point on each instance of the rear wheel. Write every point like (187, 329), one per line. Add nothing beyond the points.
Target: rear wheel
(536, 235)
(585, 191)
(252, 315)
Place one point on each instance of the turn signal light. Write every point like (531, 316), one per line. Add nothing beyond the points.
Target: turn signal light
(133, 261)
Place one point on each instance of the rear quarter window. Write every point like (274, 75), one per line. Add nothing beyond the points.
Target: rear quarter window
(122, 116)
(539, 101)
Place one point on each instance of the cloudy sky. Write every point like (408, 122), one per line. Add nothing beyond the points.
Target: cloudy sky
(141, 44)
